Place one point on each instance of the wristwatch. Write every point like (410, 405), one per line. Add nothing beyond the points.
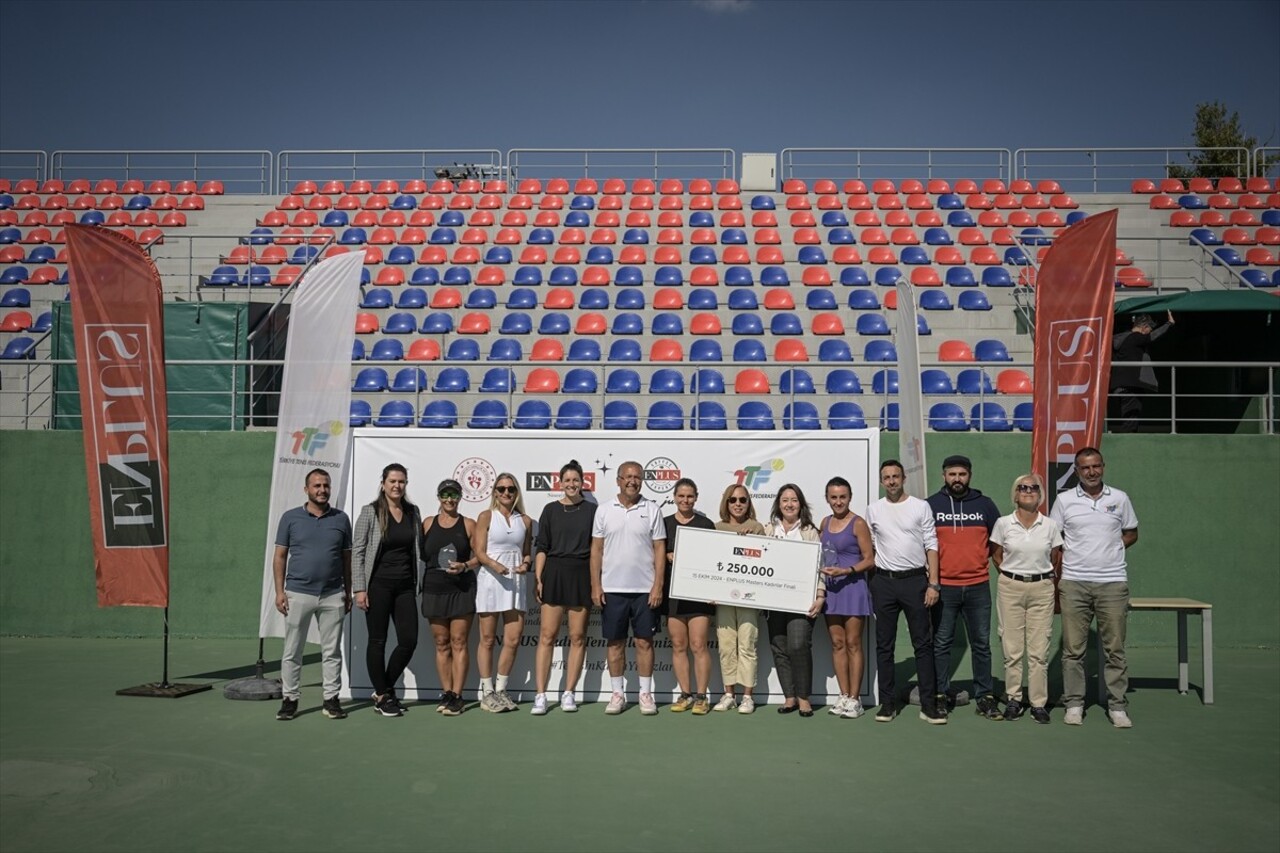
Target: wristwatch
(936, 587)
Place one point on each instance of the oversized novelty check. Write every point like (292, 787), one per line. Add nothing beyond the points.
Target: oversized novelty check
(745, 571)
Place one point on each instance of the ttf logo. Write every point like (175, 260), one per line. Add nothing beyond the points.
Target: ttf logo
(754, 477)
(311, 440)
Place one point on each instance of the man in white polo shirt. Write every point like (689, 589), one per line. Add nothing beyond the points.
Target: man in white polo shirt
(1098, 524)
(905, 581)
(628, 558)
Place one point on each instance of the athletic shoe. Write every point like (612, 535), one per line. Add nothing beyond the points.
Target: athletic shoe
(333, 710)
(1120, 719)
(988, 707)
(684, 703)
(747, 705)
(489, 702)
(1040, 715)
(727, 703)
(886, 713)
(853, 709)
(288, 709)
(443, 702)
(387, 706)
(942, 703)
(701, 705)
(1074, 716)
(505, 702)
(568, 702)
(539, 705)
(935, 717)
(455, 707)
(617, 704)
(838, 708)
(1013, 710)
(648, 707)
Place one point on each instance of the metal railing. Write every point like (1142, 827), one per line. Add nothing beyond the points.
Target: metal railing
(1182, 407)
(240, 171)
(1098, 170)
(896, 163)
(296, 165)
(17, 164)
(625, 163)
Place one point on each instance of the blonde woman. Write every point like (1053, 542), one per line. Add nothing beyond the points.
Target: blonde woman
(1026, 547)
(504, 534)
(737, 629)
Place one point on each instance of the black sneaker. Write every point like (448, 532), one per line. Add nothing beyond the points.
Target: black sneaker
(387, 706)
(1040, 715)
(886, 713)
(454, 707)
(988, 707)
(1012, 711)
(934, 716)
(333, 710)
(444, 701)
(288, 710)
(944, 704)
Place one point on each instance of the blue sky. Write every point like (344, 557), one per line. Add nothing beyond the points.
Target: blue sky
(751, 75)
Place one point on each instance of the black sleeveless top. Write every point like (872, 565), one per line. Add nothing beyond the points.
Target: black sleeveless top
(435, 580)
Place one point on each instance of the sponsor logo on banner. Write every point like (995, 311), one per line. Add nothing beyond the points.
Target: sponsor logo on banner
(309, 441)
(477, 477)
(748, 552)
(1074, 348)
(757, 477)
(549, 481)
(661, 474)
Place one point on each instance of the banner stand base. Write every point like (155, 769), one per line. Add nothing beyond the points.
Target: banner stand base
(164, 690)
(257, 688)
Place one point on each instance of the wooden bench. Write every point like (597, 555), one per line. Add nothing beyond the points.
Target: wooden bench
(1182, 607)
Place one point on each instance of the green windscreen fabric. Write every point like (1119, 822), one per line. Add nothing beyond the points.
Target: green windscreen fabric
(1201, 300)
(201, 397)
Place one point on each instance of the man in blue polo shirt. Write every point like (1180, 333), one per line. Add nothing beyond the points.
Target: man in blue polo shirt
(312, 567)
(1098, 524)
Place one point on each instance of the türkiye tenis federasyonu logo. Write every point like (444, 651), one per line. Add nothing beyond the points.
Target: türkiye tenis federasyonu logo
(309, 441)
(756, 477)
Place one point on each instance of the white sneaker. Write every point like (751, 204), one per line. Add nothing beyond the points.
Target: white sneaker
(1120, 719)
(853, 709)
(648, 706)
(747, 705)
(617, 704)
(539, 705)
(1074, 716)
(489, 702)
(839, 707)
(726, 703)
(568, 703)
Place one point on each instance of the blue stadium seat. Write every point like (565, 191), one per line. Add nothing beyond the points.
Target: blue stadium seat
(667, 324)
(395, 413)
(1255, 278)
(854, 277)
(579, 380)
(10, 235)
(506, 349)
(361, 413)
(516, 323)
(482, 298)
(922, 328)
(462, 350)
(934, 381)
(738, 277)
(834, 350)
(378, 297)
(834, 218)
(411, 379)
(371, 379)
(457, 276)
(1022, 416)
(820, 300)
(937, 237)
(705, 350)
(583, 349)
(1227, 256)
(424, 277)
(880, 351)
(666, 381)
(950, 201)
(404, 323)
(574, 414)
(400, 255)
(1192, 202)
(582, 202)
(889, 417)
(774, 277)
(454, 380)
(403, 202)
(785, 323)
(533, 414)
(914, 255)
(522, 298)
(811, 255)
(452, 218)
(755, 414)
(991, 350)
(708, 415)
(594, 299)
(974, 300)
(863, 299)
(488, 414)
(631, 299)
(541, 237)
(947, 417)
(990, 417)
(222, 276)
(706, 380)
(498, 380)
(41, 255)
(872, 324)
(435, 323)
(733, 237)
(527, 276)
(973, 380)
(43, 323)
(1271, 217)
(624, 351)
(19, 347)
(701, 219)
(620, 414)
(996, 277)
(1034, 237)
(576, 219)
(628, 323)
(747, 350)
(935, 300)
(1075, 216)
(92, 217)
(497, 255)
(622, 381)
(628, 277)
(439, 414)
(443, 237)
(960, 277)
(563, 276)
(885, 381)
(387, 349)
(702, 255)
(1015, 256)
(795, 380)
(335, 219)
(353, 237)
(554, 323)
(960, 219)
(762, 202)
(668, 276)
(888, 276)
(840, 237)
(665, 414)
(704, 299)
(801, 415)
(635, 237)
(602, 255)
(843, 381)
(846, 415)
(743, 300)
(357, 350)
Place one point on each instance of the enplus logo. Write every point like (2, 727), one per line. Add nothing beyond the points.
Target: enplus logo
(754, 477)
(311, 440)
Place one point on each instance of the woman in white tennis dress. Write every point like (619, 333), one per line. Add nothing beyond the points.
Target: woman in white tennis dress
(503, 539)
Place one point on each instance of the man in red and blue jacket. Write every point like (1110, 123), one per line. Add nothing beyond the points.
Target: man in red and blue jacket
(964, 518)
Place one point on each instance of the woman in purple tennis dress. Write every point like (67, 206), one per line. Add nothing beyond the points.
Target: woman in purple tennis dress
(847, 555)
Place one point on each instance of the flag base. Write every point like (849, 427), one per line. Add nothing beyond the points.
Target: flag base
(256, 688)
(164, 690)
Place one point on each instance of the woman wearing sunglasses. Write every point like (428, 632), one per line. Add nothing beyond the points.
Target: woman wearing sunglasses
(791, 634)
(737, 631)
(563, 572)
(384, 560)
(688, 622)
(503, 536)
(449, 592)
(1026, 547)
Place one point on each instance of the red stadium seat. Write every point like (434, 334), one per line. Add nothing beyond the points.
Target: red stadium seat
(286, 276)
(904, 237)
(474, 323)
(272, 255)
(1132, 277)
(705, 324)
(542, 380)
(1199, 185)
(867, 219)
(1268, 235)
(762, 219)
(547, 219)
(751, 381)
(670, 202)
(1021, 219)
(666, 349)
(446, 297)
(1213, 218)
(806, 237)
(888, 202)
(670, 236)
(533, 255)
(387, 276)
(919, 201)
(778, 299)
(608, 219)
(859, 202)
(585, 186)
(703, 237)
(984, 256)
(610, 202)
(702, 202)
(954, 351)
(948, 256)
(604, 237)
(704, 276)
(729, 202)
(790, 349)
(559, 297)
(824, 186)
(1258, 185)
(1243, 218)
(1260, 257)
(798, 202)
(1222, 202)
(491, 276)
(794, 186)
(638, 219)
(668, 298)
(667, 255)
(1238, 237)
(547, 349)
(1003, 237)
(423, 349)
(551, 202)
(827, 323)
(643, 186)
(994, 186)
(814, 276)
(882, 255)
(591, 323)
(769, 255)
(595, 275)
(928, 219)
(366, 324)
(641, 202)
(874, 237)
(978, 201)
(925, 277)
(633, 255)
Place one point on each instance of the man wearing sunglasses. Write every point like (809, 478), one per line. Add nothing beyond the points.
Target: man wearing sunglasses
(1098, 525)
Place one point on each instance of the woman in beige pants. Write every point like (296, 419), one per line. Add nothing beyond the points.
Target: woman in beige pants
(736, 630)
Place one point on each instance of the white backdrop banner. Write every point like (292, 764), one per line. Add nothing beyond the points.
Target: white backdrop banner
(763, 462)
